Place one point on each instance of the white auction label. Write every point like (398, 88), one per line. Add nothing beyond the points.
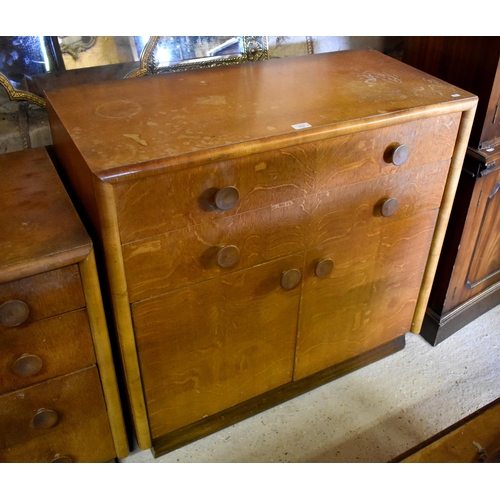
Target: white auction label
(298, 126)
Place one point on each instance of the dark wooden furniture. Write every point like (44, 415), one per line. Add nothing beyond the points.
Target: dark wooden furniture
(265, 227)
(467, 282)
(59, 398)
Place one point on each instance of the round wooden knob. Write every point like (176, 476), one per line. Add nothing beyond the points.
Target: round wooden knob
(14, 313)
(44, 419)
(397, 154)
(290, 279)
(27, 365)
(61, 459)
(226, 198)
(228, 256)
(388, 207)
(324, 268)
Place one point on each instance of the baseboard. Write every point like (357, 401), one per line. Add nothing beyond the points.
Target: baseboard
(436, 328)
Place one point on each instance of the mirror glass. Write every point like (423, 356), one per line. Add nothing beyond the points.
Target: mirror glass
(31, 64)
(174, 49)
(90, 51)
(22, 57)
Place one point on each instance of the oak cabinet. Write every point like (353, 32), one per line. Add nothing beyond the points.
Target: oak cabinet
(265, 228)
(59, 399)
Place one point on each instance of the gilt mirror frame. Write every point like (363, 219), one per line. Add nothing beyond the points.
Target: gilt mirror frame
(20, 95)
(255, 48)
(251, 48)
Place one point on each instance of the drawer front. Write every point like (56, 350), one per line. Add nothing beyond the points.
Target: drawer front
(45, 349)
(372, 204)
(63, 419)
(41, 296)
(368, 155)
(166, 202)
(211, 346)
(368, 295)
(181, 258)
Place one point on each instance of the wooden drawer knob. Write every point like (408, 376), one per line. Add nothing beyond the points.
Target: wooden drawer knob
(61, 459)
(324, 268)
(396, 154)
(290, 279)
(388, 207)
(14, 313)
(27, 365)
(228, 256)
(44, 419)
(225, 198)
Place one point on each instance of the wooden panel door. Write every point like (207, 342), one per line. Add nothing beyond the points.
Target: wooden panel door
(210, 346)
(369, 296)
(477, 264)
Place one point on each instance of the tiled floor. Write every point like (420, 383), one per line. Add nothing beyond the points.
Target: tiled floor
(371, 415)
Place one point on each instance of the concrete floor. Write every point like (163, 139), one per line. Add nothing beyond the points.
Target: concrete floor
(371, 415)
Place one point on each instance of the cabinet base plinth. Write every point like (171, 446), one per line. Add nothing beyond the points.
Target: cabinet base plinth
(214, 423)
(436, 328)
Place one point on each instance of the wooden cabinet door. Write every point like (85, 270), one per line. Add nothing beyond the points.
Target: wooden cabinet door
(210, 346)
(369, 296)
(477, 264)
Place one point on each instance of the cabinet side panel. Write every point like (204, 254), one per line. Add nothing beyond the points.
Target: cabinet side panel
(74, 172)
(443, 217)
(121, 310)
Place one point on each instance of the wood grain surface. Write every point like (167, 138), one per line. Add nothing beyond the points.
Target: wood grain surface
(474, 439)
(48, 270)
(211, 346)
(479, 242)
(181, 258)
(46, 294)
(370, 296)
(82, 429)
(197, 339)
(32, 198)
(220, 113)
(62, 342)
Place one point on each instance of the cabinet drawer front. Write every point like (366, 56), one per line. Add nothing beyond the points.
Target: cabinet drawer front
(211, 346)
(181, 258)
(369, 296)
(43, 295)
(359, 157)
(337, 213)
(45, 349)
(166, 202)
(64, 417)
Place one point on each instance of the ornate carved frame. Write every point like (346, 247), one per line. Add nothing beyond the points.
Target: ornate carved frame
(254, 48)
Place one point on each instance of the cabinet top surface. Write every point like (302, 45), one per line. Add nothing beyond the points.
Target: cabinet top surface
(39, 226)
(124, 126)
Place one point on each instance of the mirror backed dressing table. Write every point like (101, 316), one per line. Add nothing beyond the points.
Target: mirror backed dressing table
(265, 228)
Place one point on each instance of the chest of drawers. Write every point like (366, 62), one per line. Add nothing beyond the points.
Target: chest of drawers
(59, 398)
(265, 227)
